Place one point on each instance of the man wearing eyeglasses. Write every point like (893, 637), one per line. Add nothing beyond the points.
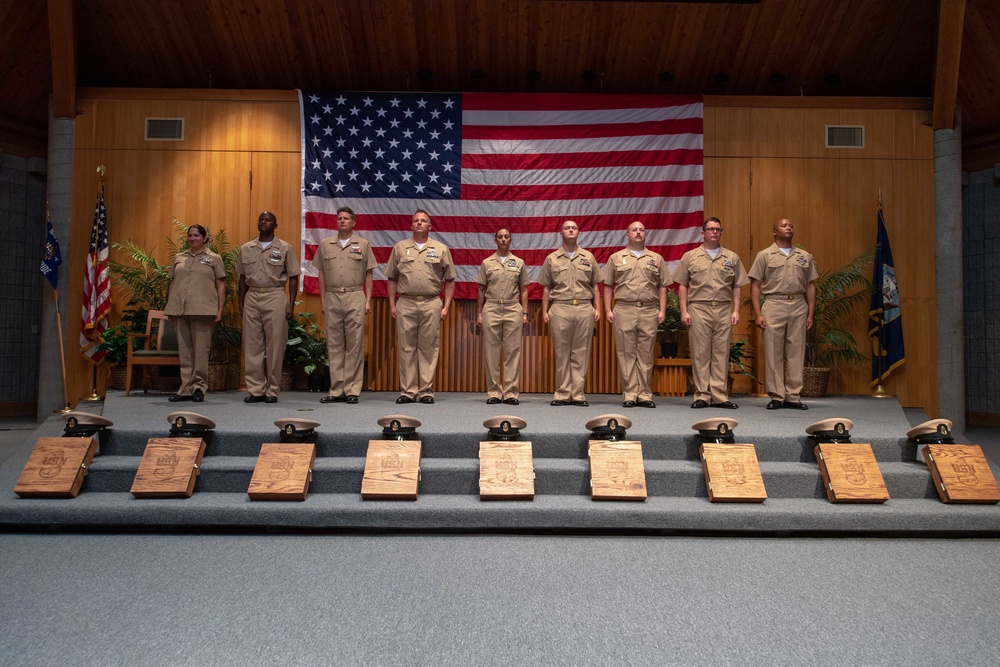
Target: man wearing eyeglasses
(711, 280)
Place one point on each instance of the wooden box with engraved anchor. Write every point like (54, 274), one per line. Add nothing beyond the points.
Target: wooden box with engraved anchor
(732, 473)
(850, 473)
(392, 470)
(283, 471)
(506, 471)
(616, 470)
(961, 474)
(169, 468)
(56, 468)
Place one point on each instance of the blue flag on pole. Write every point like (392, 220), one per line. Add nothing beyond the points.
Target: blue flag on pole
(51, 258)
(885, 326)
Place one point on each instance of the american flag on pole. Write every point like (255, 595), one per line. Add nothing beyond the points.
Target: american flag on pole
(478, 161)
(96, 285)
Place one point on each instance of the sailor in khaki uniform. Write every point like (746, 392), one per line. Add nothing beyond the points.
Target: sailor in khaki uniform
(786, 277)
(711, 279)
(569, 278)
(266, 265)
(416, 269)
(195, 301)
(639, 279)
(503, 313)
(345, 263)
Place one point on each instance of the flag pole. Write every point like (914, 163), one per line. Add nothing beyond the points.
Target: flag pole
(93, 371)
(880, 391)
(62, 357)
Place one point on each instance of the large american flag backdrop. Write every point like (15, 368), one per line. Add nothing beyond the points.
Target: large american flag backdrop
(476, 162)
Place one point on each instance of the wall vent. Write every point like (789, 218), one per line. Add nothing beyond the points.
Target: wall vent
(164, 129)
(845, 136)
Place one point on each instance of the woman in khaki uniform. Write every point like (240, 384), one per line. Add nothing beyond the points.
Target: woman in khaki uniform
(195, 301)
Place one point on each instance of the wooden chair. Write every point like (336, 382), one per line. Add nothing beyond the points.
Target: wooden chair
(165, 352)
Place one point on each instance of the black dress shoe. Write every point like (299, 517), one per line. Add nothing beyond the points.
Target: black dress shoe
(699, 404)
(628, 404)
(271, 399)
(330, 399)
(351, 400)
(557, 402)
(405, 399)
(176, 398)
(728, 405)
(492, 400)
(788, 405)
(580, 404)
(646, 404)
(774, 404)
(427, 399)
(511, 401)
(198, 396)
(253, 399)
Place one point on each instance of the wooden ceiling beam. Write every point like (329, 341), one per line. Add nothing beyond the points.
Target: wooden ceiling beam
(951, 20)
(62, 47)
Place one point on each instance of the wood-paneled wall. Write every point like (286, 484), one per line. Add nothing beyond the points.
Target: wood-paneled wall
(764, 159)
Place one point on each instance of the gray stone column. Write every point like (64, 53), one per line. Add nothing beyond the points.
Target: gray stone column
(59, 190)
(950, 266)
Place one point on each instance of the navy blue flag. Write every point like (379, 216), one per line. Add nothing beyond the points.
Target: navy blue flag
(885, 326)
(51, 258)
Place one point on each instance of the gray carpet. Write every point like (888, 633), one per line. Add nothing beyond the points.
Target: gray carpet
(495, 600)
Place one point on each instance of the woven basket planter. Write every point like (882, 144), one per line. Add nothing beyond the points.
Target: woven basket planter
(217, 377)
(814, 382)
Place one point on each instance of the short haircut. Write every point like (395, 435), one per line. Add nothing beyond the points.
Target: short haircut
(420, 210)
(500, 229)
(712, 219)
(346, 209)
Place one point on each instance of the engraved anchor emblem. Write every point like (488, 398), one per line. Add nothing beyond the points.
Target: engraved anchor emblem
(734, 471)
(507, 469)
(966, 472)
(52, 464)
(281, 468)
(166, 466)
(392, 462)
(618, 469)
(854, 471)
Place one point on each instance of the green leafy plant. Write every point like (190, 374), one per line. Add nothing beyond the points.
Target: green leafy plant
(739, 354)
(669, 329)
(308, 345)
(114, 344)
(839, 292)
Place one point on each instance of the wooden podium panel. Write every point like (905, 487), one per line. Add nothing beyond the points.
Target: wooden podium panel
(961, 474)
(850, 473)
(283, 471)
(392, 470)
(732, 473)
(616, 470)
(169, 468)
(506, 471)
(56, 468)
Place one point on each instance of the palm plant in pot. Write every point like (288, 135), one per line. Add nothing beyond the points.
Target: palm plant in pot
(309, 349)
(668, 331)
(839, 293)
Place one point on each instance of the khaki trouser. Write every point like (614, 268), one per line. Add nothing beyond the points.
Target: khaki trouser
(572, 329)
(784, 346)
(502, 328)
(194, 344)
(635, 341)
(345, 341)
(710, 337)
(418, 334)
(265, 334)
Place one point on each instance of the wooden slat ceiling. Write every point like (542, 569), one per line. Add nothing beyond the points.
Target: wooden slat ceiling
(776, 47)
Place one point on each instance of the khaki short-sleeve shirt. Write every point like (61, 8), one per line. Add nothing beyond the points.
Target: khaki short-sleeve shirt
(193, 288)
(344, 266)
(503, 279)
(267, 267)
(420, 272)
(780, 274)
(636, 278)
(570, 277)
(709, 279)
